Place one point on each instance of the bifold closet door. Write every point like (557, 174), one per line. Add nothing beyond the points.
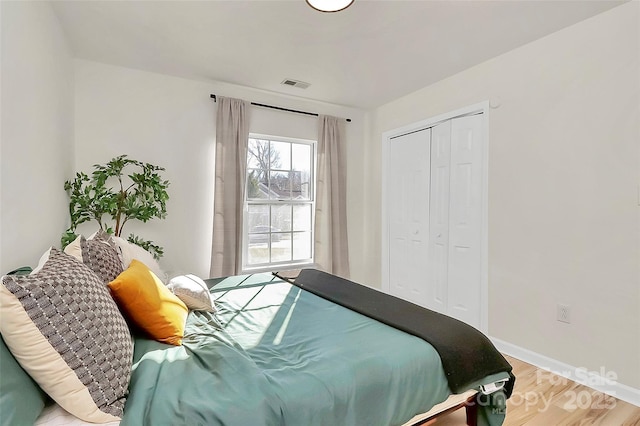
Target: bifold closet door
(455, 219)
(408, 213)
(435, 217)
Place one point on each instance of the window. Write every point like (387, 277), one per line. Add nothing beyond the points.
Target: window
(279, 202)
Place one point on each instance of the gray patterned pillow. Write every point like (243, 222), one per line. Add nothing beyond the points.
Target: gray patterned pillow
(65, 330)
(101, 255)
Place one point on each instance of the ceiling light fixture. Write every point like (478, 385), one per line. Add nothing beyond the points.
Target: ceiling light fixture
(329, 5)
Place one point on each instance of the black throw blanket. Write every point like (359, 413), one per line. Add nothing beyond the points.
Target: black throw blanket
(467, 355)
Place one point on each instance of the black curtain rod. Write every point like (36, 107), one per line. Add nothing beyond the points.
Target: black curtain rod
(282, 109)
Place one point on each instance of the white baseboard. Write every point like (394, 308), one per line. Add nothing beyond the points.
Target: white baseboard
(591, 379)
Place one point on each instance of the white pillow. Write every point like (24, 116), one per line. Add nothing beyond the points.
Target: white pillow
(42, 261)
(193, 291)
(130, 251)
(74, 249)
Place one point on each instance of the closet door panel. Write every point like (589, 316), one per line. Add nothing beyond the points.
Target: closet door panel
(465, 215)
(409, 181)
(438, 261)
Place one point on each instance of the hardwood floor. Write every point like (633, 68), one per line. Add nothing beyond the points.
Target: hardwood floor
(556, 401)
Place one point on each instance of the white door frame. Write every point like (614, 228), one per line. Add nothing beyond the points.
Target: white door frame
(482, 107)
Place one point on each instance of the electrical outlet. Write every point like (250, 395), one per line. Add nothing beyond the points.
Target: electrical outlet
(564, 313)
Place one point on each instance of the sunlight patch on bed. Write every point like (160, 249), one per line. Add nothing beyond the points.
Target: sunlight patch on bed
(285, 323)
(265, 309)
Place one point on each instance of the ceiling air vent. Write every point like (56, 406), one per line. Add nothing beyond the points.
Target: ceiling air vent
(295, 83)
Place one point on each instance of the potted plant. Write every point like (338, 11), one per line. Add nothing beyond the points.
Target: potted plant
(122, 190)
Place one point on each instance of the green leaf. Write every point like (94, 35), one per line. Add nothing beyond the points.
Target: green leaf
(67, 238)
(148, 245)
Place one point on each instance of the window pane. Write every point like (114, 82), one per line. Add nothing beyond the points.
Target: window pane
(257, 216)
(280, 185)
(300, 185)
(302, 217)
(258, 154)
(280, 247)
(259, 235)
(301, 157)
(301, 164)
(301, 245)
(281, 218)
(258, 253)
(280, 155)
(257, 185)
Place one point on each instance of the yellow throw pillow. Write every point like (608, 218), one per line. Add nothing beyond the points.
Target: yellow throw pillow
(149, 304)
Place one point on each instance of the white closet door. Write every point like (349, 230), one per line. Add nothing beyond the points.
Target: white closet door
(438, 260)
(408, 189)
(465, 219)
(434, 197)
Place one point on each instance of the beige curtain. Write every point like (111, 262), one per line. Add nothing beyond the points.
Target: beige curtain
(232, 134)
(330, 243)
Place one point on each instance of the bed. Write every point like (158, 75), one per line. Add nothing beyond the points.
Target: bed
(278, 352)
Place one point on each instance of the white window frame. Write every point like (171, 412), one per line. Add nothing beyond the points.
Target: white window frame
(289, 264)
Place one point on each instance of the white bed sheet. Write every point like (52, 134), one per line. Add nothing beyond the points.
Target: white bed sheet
(55, 415)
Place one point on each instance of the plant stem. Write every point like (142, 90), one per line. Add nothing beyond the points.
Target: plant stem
(121, 197)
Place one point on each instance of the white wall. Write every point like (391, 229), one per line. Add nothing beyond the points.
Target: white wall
(170, 122)
(37, 132)
(563, 197)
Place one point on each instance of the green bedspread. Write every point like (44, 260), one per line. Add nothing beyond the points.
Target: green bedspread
(277, 355)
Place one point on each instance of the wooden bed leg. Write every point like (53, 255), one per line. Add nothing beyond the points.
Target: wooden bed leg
(453, 403)
(472, 412)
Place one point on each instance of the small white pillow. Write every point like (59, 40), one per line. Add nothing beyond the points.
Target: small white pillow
(123, 251)
(130, 251)
(193, 291)
(42, 261)
(74, 249)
